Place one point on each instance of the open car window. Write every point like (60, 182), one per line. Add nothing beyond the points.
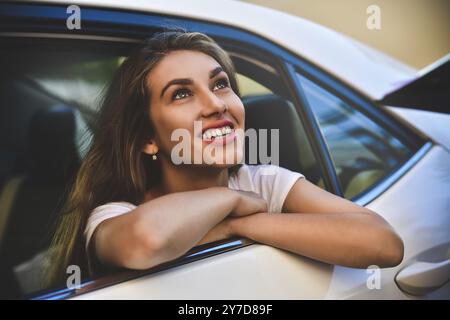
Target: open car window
(69, 82)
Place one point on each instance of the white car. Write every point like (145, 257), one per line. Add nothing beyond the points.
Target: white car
(348, 116)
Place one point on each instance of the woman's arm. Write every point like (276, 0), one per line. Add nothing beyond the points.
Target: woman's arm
(166, 227)
(325, 227)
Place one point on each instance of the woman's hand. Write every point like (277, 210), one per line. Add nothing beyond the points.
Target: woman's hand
(219, 232)
(248, 203)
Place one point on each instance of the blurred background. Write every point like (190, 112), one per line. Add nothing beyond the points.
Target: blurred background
(416, 32)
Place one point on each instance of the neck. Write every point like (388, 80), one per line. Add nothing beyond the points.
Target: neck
(178, 178)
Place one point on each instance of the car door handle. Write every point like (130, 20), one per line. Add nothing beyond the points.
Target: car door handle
(423, 277)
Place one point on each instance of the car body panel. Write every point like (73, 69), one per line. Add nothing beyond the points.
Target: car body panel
(252, 272)
(430, 124)
(422, 222)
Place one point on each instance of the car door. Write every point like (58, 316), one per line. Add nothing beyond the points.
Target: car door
(407, 183)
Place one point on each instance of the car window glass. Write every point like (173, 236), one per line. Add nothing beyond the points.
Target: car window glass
(363, 152)
(82, 82)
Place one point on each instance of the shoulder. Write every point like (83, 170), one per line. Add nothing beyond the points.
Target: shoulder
(114, 206)
(108, 210)
(102, 213)
(269, 181)
(266, 172)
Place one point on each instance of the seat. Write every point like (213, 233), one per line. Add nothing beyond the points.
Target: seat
(37, 196)
(273, 112)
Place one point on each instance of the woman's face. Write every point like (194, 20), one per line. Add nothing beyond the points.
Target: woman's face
(190, 91)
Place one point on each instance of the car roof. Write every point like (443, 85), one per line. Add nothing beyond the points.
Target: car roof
(365, 69)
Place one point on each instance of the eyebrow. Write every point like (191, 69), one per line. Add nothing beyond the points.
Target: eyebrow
(187, 81)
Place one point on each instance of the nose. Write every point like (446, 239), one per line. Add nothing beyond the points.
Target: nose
(212, 104)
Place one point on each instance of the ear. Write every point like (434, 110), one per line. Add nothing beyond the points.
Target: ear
(150, 148)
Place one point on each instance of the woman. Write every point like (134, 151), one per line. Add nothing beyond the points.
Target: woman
(133, 206)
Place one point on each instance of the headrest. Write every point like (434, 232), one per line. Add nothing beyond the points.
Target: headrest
(273, 112)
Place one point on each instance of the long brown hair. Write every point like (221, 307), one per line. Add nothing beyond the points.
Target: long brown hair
(115, 168)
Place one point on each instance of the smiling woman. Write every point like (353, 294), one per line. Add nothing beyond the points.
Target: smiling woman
(133, 206)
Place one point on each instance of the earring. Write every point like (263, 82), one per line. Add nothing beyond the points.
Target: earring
(154, 157)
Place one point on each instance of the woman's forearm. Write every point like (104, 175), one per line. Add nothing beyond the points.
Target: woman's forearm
(181, 219)
(164, 228)
(354, 239)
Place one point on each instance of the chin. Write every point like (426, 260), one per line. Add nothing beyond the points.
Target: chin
(228, 161)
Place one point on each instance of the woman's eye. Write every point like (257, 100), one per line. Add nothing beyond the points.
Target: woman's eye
(184, 93)
(220, 84)
(180, 94)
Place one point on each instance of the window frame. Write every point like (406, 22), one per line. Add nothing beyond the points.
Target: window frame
(48, 20)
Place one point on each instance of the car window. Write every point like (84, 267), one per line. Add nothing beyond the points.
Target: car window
(249, 87)
(48, 98)
(363, 152)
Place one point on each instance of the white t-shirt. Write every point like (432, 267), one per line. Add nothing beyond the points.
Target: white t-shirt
(270, 182)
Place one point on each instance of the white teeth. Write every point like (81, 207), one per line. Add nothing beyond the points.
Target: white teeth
(217, 132)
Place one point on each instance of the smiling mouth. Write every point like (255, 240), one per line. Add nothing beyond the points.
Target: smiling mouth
(218, 133)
